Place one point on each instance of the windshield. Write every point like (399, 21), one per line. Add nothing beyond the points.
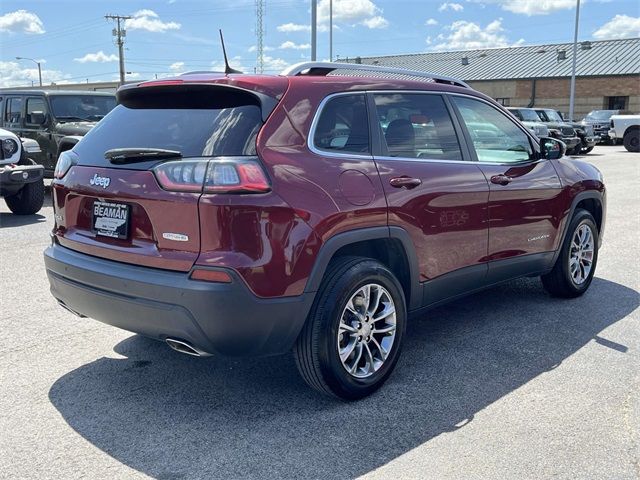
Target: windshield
(89, 108)
(553, 116)
(600, 114)
(527, 115)
(192, 132)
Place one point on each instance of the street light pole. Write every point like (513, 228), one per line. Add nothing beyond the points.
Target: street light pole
(314, 15)
(37, 63)
(572, 93)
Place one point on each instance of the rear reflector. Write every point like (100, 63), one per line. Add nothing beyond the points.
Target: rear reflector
(217, 276)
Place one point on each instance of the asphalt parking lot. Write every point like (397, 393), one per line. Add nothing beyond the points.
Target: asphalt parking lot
(507, 383)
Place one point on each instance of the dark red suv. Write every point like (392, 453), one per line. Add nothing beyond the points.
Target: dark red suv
(315, 211)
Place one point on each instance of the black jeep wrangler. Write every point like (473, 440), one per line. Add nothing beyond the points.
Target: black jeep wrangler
(56, 119)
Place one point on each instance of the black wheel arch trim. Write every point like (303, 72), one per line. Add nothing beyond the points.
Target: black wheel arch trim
(589, 195)
(335, 243)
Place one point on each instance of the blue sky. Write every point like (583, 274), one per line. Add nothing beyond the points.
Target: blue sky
(165, 37)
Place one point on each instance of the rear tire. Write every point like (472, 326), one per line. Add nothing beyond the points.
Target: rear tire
(28, 200)
(576, 264)
(631, 140)
(350, 342)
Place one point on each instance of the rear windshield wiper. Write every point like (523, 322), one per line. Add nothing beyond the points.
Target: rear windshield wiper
(121, 156)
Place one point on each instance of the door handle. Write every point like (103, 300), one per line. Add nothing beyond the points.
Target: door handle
(405, 182)
(501, 179)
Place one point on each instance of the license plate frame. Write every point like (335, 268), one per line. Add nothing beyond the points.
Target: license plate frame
(111, 219)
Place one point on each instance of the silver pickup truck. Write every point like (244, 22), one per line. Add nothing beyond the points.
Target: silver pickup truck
(627, 128)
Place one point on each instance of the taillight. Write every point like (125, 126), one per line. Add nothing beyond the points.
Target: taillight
(220, 175)
(66, 160)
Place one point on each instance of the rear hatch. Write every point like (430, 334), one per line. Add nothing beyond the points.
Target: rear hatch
(129, 190)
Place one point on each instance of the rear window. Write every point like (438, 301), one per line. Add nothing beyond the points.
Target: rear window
(169, 123)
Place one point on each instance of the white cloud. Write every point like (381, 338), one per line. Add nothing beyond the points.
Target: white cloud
(469, 35)
(352, 12)
(99, 57)
(620, 26)
(177, 67)
(431, 22)
(274, 65)
(293, 27)
(532, 7)
(235, 62)
(456, 7)
(266, 48)
(21, 21)
(294, 46)
(376, 22)
(150, 21)
(15, 76)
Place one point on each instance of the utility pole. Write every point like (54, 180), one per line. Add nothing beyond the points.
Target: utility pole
(331, 30)
(260, 35)
(314, 35)
(119, 33)
(572, 94)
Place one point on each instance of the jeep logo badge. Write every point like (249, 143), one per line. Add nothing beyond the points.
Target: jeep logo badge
(99, 181)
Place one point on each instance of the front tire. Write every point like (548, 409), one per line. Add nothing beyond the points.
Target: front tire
(352, 338)
(576, 264)
(28, 200)
(631, 140)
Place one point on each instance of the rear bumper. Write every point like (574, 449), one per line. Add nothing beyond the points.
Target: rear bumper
(218, 318)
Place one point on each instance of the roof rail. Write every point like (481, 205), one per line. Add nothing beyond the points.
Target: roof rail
(324, 68)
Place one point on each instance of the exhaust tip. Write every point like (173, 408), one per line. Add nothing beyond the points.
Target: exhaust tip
(185, 347)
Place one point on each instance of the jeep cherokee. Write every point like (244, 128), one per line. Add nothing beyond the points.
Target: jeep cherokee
(315, 211)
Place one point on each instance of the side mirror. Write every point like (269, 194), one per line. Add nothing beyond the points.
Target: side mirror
(37, 118)
(552, 148)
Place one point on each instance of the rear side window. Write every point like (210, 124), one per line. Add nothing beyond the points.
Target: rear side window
(417, 126)
(343, 126)
(496, 138)
(168, 122)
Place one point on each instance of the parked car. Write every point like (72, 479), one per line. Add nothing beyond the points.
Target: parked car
(588, 139)
(56, 119)
(600, 121)
(531, 120)
(627, 129)
(560, 129)
(21, 182)
(255, 214)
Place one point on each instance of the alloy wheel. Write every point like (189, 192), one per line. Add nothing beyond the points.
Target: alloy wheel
(581, 254)
(367, 330)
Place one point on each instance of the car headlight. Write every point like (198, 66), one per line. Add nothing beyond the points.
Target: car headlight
(9, 147)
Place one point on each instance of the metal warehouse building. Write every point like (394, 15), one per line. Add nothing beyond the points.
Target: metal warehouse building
(607, 74)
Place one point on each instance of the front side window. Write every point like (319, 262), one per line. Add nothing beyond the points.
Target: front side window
(35, 105)
(343, 126)
(495, 137)
(417, 126)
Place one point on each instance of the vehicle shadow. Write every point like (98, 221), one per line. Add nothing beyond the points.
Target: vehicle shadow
(173, 416)
(8, 220)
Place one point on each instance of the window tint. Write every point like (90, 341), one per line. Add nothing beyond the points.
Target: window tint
(417, 126)
(343, 126)
(14, 110)
(495, 137)
(194, 132)
(34, 105)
